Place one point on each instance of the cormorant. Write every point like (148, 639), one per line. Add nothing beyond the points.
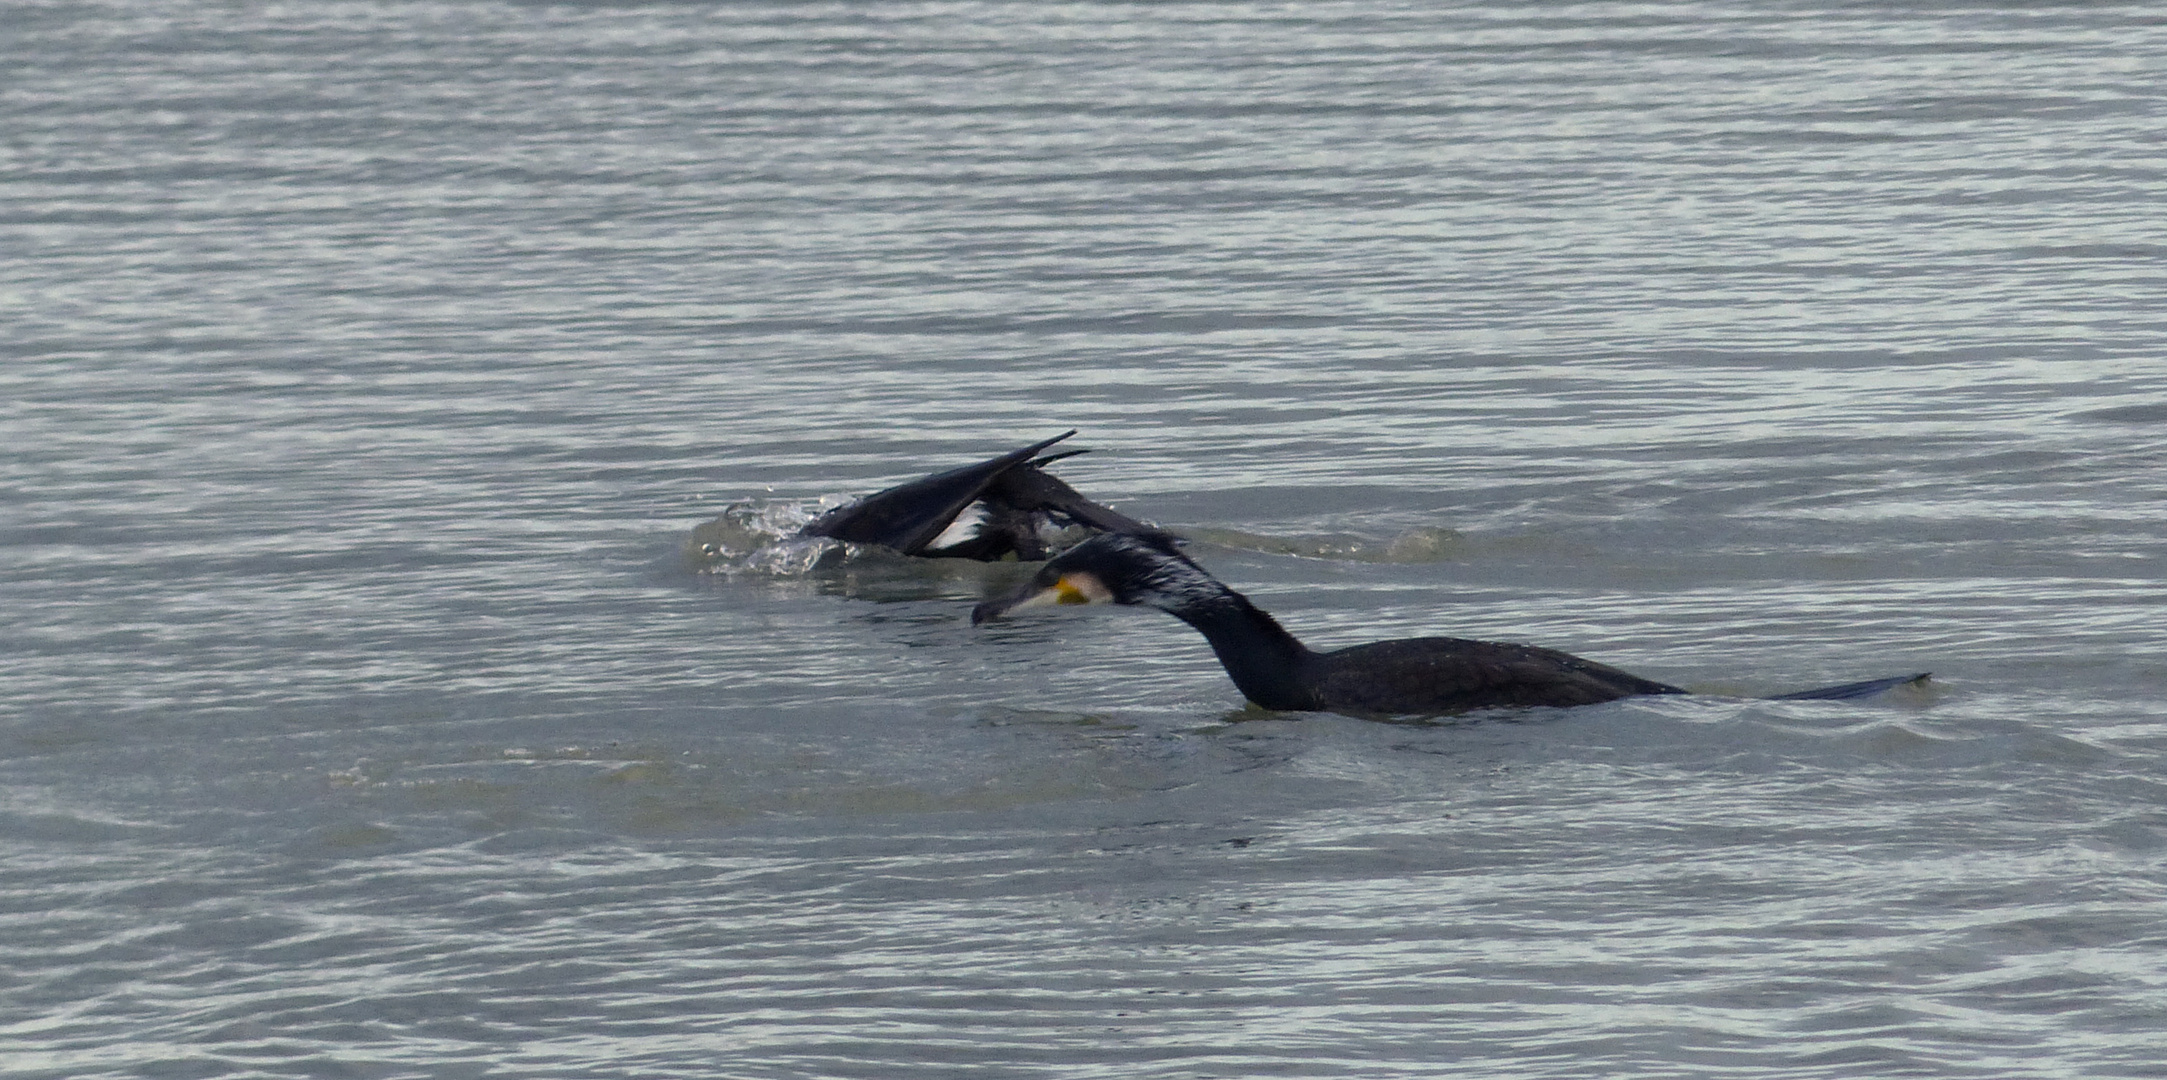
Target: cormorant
(1408, 676)
(984, 511)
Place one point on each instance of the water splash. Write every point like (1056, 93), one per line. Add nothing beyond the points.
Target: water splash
(759, 536)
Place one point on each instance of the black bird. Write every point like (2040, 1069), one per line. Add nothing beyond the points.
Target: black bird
(1408, 676)
(985, 511)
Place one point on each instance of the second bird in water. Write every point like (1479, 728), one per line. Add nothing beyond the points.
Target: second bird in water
(1406, 676)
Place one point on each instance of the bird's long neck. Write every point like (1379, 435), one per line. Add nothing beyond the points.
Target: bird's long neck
(1259, 653)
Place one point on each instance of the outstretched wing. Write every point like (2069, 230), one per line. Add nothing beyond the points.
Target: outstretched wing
(1030, 488)
(908, 516)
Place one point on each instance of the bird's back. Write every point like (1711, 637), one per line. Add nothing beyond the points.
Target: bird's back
(1448, 675)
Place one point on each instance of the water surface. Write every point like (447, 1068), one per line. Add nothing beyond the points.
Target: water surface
(369, 369)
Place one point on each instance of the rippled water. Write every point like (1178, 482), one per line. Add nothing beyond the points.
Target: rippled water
(367, 708)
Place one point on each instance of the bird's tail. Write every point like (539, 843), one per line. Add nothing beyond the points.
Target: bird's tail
(1849, 691)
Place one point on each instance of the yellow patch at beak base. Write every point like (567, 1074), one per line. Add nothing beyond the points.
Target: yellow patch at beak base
(1075, 588)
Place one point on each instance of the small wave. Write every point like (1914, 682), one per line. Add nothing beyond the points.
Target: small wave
(1423, 545)
(2125, 414)
(69, 826)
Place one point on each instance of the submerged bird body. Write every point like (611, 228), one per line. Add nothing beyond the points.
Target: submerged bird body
(1451, 674)
(1410, 676)
(985, 511)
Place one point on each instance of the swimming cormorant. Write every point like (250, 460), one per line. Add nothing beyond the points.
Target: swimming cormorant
(1408, 676)
(985, 511)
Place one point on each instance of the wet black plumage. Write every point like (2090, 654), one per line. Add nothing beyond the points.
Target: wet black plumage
(1408, 676)
(1003, 502)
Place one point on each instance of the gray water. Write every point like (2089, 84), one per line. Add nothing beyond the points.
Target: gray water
(370, 373)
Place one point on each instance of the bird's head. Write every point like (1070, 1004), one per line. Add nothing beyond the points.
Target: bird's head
(1145, 569)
